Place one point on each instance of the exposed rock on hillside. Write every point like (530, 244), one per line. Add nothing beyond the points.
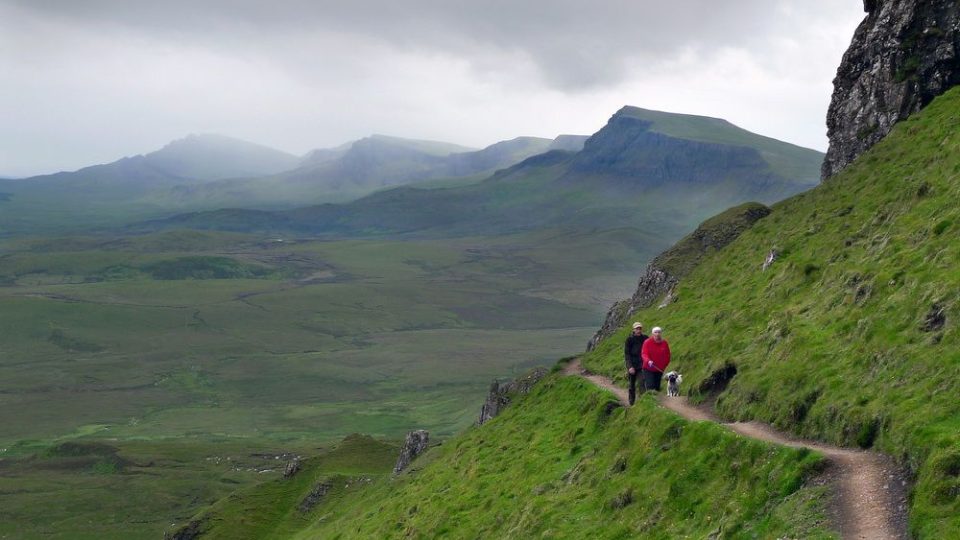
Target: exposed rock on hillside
(902, 56)
(190, 531)
(501, 393)
(413, 446)
(292, 468)
(666, 270)
(316, 495)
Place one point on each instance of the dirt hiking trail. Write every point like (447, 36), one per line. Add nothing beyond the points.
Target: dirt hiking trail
(870, 490)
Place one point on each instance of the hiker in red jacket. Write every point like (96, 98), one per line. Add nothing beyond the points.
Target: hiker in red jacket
(656, 357)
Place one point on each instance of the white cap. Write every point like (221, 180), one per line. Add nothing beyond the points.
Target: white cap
(637, 325)
(656, 329)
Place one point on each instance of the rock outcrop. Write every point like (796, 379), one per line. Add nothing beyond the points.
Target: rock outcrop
(191, 531)
(666, 270)
(501, 393)
(904, 54)
(414, 445)
(292, 468)
(315, 496)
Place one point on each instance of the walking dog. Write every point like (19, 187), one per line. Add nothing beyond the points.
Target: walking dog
(673, 383)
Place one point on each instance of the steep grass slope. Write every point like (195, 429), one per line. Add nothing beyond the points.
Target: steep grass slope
(851, 335)
(282, 507)
(567, 462)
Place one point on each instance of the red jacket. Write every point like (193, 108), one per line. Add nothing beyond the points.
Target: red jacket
(659, 353)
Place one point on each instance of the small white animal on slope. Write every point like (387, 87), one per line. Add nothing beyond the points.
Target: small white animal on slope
(673, 383)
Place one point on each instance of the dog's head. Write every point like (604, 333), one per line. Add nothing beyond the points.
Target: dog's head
(674, 377)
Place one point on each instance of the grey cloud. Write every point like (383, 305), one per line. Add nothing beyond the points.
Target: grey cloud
(573, 44)
(87, 81)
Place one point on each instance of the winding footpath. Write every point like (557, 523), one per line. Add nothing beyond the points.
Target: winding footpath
(870, 488)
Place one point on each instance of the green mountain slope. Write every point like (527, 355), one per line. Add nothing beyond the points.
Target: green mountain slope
(564, 462)
(851, 335)
(282, 508)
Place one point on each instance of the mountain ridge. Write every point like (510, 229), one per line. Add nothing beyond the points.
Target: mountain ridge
(618, 166)
(205, 172)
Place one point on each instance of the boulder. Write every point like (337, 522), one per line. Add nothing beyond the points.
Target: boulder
(414, 445)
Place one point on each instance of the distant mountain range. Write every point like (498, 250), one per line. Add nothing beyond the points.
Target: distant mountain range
(364, 166)
(645, 169)
(212, 171)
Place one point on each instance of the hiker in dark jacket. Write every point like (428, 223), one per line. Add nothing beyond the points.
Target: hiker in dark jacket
(631, 357)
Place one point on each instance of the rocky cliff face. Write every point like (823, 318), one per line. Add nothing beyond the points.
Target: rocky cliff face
(666, 270)
(414, 445)
(501, 393)
(902, 56)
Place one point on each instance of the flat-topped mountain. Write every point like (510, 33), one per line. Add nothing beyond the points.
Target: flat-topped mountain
(655, 146)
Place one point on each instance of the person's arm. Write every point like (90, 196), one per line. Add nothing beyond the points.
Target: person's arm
(626, 353)
(667, 355)
(645, 352)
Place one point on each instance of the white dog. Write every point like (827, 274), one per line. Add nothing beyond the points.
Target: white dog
(673, 383)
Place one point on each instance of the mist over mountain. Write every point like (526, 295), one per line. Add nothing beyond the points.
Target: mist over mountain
(204, 172)
(215, 157)
(190, 159)
(319, 156)
(570, 143)
(381, 161)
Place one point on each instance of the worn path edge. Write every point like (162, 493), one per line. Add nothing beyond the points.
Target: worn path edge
(870, 489)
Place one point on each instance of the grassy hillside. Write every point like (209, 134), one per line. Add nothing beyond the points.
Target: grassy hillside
(105, 489)
(281, 507)
(851, 335)
(567, 462)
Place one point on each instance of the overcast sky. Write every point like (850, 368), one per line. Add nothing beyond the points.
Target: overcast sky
(90, 81)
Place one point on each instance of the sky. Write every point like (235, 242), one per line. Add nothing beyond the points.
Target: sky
(90, 81)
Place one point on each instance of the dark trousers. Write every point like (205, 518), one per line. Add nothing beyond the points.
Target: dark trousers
(651, 380)
(632, 379)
